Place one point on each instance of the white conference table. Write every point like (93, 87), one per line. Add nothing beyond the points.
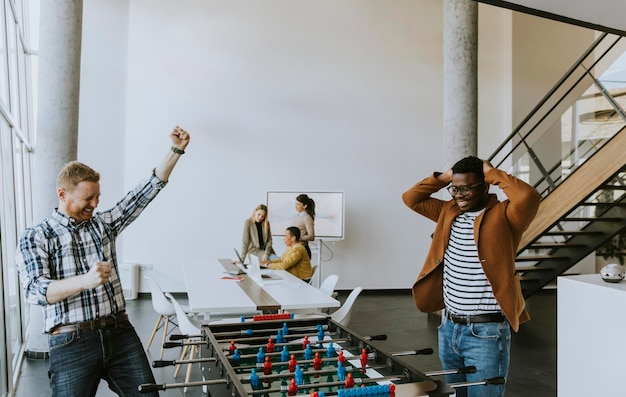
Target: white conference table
(210, 293)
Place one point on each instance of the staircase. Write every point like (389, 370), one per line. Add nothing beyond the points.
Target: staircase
(571, 148)
(581, 214)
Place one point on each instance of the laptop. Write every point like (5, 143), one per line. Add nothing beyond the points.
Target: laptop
(263, 276)
(254, 270)
(241, 265)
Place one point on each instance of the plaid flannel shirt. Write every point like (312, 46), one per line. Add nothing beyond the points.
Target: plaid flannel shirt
(59, 248)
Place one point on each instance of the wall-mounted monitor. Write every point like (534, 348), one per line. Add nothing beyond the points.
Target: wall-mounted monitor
(329, 212)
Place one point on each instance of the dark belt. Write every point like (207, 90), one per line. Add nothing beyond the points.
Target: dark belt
(475, 318)
(104, 322)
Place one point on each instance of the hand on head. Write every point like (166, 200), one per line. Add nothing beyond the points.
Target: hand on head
(446, 177)
(487, 166)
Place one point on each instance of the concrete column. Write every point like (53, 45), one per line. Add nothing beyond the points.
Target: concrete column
(460, 81)
(57, 120)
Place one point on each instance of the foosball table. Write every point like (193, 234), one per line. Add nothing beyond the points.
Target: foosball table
(278, 355)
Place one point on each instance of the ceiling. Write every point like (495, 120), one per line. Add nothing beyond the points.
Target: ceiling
(606, 15)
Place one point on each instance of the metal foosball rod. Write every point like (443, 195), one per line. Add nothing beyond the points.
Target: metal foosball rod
(294, 332)
(426, 351)
(265, 331)
(297, 342)
(498, 380)
(293, 336)
(290, 336)
(152, 387)
(285, 363)
(463, 370)
(278, 353)
(169, 345)
(348, 369)
(166, 363)
(357, 381)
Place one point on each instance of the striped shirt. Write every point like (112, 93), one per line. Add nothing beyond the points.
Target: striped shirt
(58, 248)
(466, 289)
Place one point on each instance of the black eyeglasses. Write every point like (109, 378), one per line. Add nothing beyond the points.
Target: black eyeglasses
(464, 190)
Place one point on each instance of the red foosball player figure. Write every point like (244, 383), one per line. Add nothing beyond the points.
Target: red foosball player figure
(293, 388)
(317, 361)
(305, 342)
(267, 366)
(232, 347)
(270, 346)
(292, 363)
(364, 358)
(349, 381)
(341, 358)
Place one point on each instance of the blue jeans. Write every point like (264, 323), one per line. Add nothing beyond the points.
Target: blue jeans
(483, 345)
(78, 360)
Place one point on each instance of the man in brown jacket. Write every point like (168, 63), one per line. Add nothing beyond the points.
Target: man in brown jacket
(470, 268)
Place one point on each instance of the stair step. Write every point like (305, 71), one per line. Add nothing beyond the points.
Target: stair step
(571, 232)
(592, 219)
(620, 204)
(554, 245)
(528, 279)
(533, 269)
(528, 258)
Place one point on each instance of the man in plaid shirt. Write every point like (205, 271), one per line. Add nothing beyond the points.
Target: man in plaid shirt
(68, 264)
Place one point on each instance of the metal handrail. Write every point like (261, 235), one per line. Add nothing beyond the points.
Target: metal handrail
(553, 99)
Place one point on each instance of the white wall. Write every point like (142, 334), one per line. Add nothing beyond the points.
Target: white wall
(277, 95)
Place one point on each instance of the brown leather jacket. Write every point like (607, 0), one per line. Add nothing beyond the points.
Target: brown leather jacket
(497, 232)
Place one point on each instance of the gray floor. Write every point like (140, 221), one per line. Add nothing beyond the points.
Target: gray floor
(533, 351)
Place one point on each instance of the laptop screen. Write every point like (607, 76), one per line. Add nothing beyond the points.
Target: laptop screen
(238, 256)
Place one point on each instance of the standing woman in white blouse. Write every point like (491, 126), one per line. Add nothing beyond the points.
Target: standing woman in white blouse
(304, 218)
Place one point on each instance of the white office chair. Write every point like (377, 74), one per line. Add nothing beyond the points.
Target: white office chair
(190, 328)
(327, 287)
(315, 277)
(343, 314)
(165, 309)
(329, 283)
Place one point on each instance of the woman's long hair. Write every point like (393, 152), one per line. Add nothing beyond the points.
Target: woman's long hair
(309, 202)
(266, 222)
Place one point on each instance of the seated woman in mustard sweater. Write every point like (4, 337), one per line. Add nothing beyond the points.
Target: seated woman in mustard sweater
(295, 259)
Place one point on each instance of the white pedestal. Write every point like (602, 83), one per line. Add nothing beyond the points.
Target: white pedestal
(591, 336)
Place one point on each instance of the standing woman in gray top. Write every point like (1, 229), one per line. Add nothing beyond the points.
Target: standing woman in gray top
(257, 236)
(305, 207)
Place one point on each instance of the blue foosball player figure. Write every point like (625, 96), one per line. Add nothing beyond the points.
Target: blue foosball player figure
(260, 356)
(254, 380)
(341, 371)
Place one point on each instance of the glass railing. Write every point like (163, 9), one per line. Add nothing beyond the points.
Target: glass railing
(573, 121)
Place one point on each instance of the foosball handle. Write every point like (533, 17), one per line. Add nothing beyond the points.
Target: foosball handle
(498, 380)
(150, 387)
(426, 351)
(467, 370)
(169, 345)
(376, 337)
(178, 337)
(162, 363)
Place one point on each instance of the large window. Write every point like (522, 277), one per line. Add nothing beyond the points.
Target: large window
(16, 132)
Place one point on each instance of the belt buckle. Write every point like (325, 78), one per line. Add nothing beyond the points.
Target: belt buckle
(453, 317)
(101, 323)
(459, 318)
